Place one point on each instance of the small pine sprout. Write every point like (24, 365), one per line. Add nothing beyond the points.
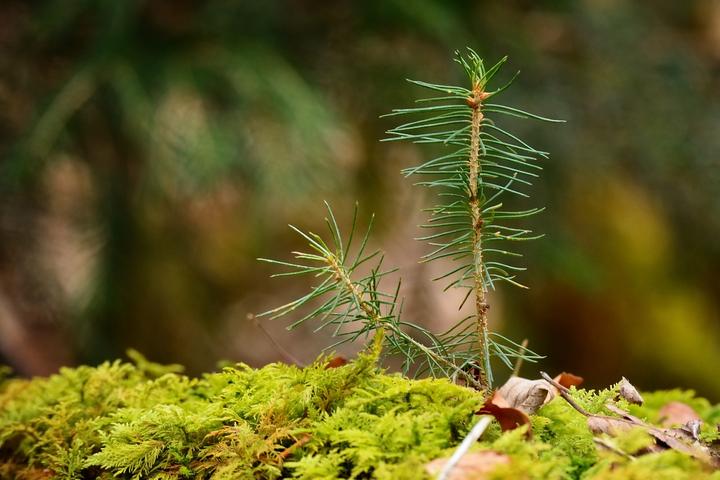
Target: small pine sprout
(484, 164)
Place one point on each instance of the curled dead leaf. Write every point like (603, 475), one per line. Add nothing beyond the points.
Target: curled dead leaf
(529, 395)
(472, 466)
(688, 432)
(526, 395)
(682, 439)
(629, 392)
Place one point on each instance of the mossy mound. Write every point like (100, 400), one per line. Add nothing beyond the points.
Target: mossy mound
(121, 420)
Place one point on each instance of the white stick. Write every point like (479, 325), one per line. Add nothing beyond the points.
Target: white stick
(468, 442)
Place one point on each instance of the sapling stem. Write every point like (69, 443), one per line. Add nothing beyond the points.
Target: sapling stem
(485, 163)
(475, 169)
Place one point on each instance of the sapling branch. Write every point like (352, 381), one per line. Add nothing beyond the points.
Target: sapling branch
(345, 302)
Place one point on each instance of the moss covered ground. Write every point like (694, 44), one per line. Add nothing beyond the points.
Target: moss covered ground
(143, 420)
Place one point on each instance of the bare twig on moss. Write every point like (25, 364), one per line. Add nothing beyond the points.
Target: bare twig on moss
(299, 443)
(564, 392)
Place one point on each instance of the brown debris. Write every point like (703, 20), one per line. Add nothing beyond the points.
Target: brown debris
(526, 395)
(336, 362)
(507, 416)
(675, 439)
(300, 442)
(677, 413)
(473, 466)
(630, 393)
(529, 395)
(568, 380)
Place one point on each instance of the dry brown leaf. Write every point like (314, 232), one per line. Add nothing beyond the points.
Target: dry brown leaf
(507, 416)
(612, 426)
(690, 432)
(336, 362)
(529, 395)
(630, 393)
(568, 380)
(472, 466)
(526, 395)
(677, 413)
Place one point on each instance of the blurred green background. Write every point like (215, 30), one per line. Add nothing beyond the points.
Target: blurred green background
(151, 150)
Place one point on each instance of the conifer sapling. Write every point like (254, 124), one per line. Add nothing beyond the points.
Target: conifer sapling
(481, 165)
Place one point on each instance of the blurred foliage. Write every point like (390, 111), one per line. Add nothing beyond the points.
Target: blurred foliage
(150, 150)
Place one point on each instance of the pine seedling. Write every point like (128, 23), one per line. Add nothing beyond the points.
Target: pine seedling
(484, 165)
(354, 306)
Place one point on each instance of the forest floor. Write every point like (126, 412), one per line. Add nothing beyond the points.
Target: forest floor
(143, 420)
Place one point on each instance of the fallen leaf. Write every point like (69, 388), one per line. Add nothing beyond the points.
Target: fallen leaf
(526, 395)
(336, 362)
(609, 425)
(630, 393)
(472, 466)
(529, 395)
(677, 413)
(507, 416)
(568, 380)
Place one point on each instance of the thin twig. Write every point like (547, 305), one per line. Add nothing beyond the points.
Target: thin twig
(302, 441)
(467, 442)
(519, 361)
(564, 392)
(289, 357)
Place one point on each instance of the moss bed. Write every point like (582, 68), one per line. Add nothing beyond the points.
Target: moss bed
(142, 420)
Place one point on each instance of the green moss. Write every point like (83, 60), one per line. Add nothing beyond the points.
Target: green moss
(125, 420)
(529, 460)
(668, 465)
(633, 441)
(121, 420)
(566, 429)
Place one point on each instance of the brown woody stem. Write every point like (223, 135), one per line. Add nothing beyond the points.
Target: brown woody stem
(481, 305)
